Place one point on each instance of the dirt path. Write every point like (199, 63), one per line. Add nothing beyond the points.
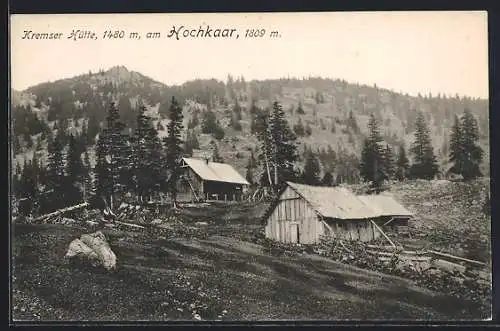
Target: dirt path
(218, 278)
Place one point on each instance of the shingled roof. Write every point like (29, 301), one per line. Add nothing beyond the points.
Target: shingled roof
(214, 171)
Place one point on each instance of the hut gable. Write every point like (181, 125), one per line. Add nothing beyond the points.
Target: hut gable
(214, 171)
(292, 219)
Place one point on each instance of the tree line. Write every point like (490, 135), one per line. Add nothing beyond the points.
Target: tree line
(138, 163)
(379, 163)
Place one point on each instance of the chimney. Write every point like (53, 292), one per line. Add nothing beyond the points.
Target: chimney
(207, 159)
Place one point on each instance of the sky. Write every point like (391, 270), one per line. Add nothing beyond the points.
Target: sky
(409, 52)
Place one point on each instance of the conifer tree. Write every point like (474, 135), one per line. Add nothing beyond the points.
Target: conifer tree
(389, 162)
(300, 110)
(264, 136)
(372, 165)
(216, 157)
(249, 173)
(251, 165)
(237, 111)
(456, 148)
(92, 129)
(55, 180)
(424, 164)
(298, 128)
(283, 147)
(465, 154)
(102, 171)
(312, 170)
(308, 130)
(113, 160)
(74, 173)
(141, 173)
(402, 164)
(351, 122)
(16, 181)
(173, 147)
(87, 180)
(327, 179)
(29, 182)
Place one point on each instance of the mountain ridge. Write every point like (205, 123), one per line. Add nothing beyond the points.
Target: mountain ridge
(326, 103)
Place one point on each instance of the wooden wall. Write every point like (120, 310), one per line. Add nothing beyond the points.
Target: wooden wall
(362, 230)
(293, 213)
(184, 191)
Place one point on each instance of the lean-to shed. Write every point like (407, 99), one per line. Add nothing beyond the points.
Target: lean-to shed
(304, 213)
(389, 212)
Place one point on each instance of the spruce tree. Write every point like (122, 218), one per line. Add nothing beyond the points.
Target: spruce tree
(283, 147)
(312, 170)
(237, 111)
(298, 128)
(457, 153)
(190, 143)
(92, 129)
(216, 157)
(87, 180)
(142, 180)
(351, 122)
(300, 110)
(102, 171)
(327, 179)
(473, 154)
(55, 180)
(389, 162)
(74, 173)
(264, 136)
(402, 164)
(113, 158)
(29, 181)
(173, 147)
(308, 130)
(373, 157)
(249, 173)
(251, 165)
(424, 161)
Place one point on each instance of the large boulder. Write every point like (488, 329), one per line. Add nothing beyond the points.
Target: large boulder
(94, 249)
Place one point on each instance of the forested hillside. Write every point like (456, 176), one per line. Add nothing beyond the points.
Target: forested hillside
(330, 119)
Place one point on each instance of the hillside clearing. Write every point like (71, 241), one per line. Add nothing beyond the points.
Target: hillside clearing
(175, 279)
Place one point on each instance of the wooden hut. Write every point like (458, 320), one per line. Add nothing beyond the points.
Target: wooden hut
(203, 179)
(304, 213)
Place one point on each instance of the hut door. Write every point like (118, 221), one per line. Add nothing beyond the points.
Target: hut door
(294, 233)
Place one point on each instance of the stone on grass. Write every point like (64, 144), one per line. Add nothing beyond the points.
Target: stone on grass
(94, 248)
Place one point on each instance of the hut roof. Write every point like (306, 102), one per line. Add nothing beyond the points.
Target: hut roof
(341, 203)
(333, 202)
(214, 171)
(384, 205)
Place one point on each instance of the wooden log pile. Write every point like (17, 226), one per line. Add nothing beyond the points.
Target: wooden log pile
(470, 281)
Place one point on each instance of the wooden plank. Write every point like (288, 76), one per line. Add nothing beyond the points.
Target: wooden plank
(383, 233)
(290, 199)
(61, 211)
(129, 224)
(457, 258)
(389, 221)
